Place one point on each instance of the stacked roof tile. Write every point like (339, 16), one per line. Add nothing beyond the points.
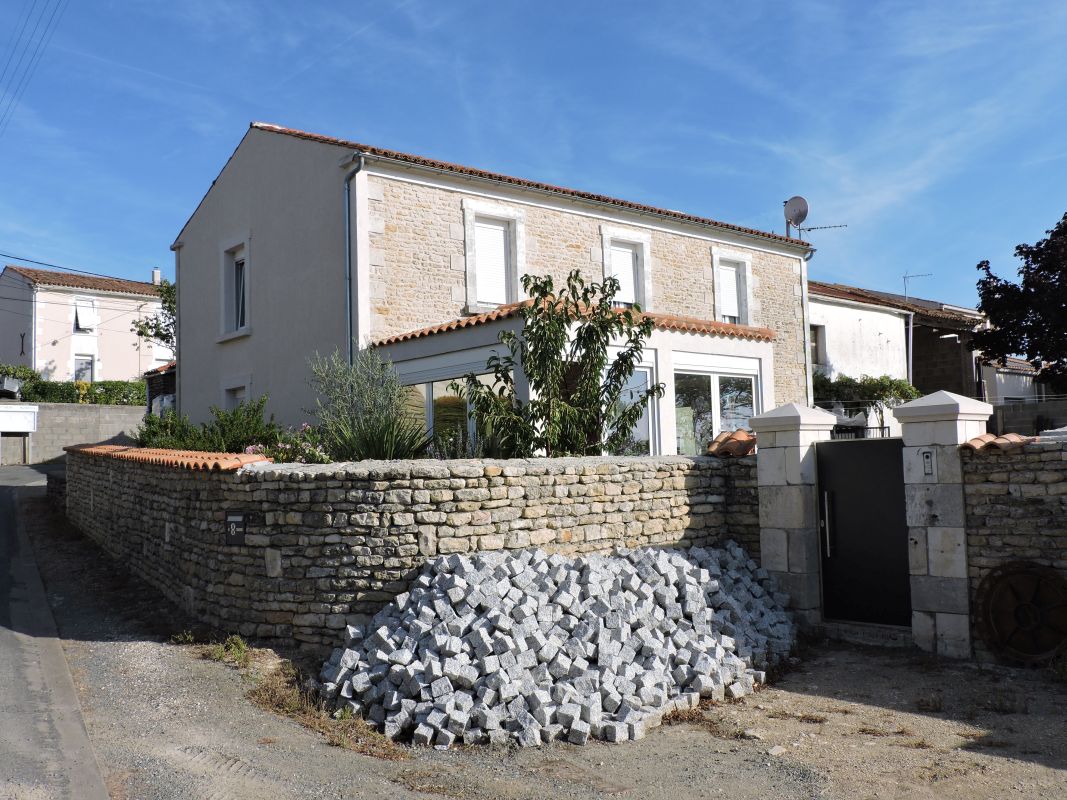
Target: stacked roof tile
(988, 442)
(187, 459)
(732, 445)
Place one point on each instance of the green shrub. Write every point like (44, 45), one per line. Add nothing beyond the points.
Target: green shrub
(236, 431)
(242, 427)
(104, 393)
(19, 371)
(169, 431)
(300, 446)
(50, 392)
(118, 393)
(363, 409)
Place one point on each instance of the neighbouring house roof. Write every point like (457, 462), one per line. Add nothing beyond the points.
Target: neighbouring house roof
(161, 369)
(930, 309)
(474, 172)
(1012, 364)
(47, 277)
(668, 322)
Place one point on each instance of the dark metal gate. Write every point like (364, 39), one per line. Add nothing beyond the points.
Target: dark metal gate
(863, 532)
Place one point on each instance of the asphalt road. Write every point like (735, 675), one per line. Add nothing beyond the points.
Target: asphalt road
(44, 750)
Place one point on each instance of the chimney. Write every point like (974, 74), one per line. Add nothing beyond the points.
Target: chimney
(157, 277)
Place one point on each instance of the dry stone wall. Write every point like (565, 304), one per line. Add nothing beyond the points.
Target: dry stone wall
(1016, 510)
(326, 546)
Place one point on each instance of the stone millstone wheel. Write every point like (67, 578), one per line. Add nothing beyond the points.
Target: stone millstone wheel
(1022, 611)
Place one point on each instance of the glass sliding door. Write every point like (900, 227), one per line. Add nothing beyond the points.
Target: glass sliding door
(705, 405)
(640, 441)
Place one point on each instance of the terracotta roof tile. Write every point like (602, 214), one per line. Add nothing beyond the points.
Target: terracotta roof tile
(733, 444)
(186, 459)
(857, 295)
(987, 442)
(47, 277)
(667, 322)
(161, 368)
(474, 172)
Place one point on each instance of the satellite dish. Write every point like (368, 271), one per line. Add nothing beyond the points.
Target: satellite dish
(796, 211)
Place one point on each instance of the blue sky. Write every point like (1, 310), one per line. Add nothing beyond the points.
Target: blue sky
(933, 130)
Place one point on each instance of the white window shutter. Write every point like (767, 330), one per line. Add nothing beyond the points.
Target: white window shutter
(491, 260)
(727, 301)
(624, 268)
(86, 314)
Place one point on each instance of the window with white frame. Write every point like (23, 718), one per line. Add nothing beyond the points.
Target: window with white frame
(83, 368)
(86, 319)
(492, 261)
(235, 291)
(626, 258)
(495, 253)
(730, 276)
(445, 413)
(626, 268)
(707, 404)
(817, 335)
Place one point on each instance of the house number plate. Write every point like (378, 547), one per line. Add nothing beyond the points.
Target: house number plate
(236, 526)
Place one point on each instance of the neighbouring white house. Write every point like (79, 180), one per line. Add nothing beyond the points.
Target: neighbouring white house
(1011, 380)
(305, 243)
(77, 327)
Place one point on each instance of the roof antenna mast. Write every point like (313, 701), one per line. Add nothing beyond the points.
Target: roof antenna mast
(908, 276)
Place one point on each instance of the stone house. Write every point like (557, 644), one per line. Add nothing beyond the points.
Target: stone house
(306, 242)
(77, 327)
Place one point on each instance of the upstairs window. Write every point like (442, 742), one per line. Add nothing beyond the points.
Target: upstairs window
(728, 300)
(817, 334)
(85, 317)
(492, 262)
(626, 268)
(235, 291)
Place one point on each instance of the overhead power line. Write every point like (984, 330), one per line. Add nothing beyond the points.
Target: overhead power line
(15, 91)
(65, 269)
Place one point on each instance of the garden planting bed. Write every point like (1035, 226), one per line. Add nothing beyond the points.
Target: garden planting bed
(532, 647)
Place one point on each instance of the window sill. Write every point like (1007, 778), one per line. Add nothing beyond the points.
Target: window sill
(238, 334)
(471, 309)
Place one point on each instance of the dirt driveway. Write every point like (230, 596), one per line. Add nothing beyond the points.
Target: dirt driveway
(847, 723)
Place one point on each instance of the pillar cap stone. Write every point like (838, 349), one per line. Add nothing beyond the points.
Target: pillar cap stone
(793, 417)
(943, 406)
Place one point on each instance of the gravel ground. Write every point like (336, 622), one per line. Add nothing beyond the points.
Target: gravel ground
(849, 723)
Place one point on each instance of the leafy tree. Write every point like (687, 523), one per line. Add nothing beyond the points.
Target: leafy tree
(574, 383)
(866, 394)
(1029, 318)
(160, 327)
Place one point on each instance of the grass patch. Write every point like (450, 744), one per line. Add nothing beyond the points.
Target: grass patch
(717, 727)
(916, 744)
(234, 650)
(809, 718)
(183, 637)
(280, 691)
(866, 730)
(424, 782)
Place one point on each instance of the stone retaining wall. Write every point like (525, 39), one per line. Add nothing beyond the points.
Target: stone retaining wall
(1016, 510)
(328, 545)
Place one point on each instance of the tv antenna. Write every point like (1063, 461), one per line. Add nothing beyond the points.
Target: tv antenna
(908, 276)
(796, 211)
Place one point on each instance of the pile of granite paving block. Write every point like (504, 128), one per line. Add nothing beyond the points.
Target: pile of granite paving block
(528, 647)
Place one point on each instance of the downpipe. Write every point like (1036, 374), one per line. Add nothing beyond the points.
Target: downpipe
(360, 163)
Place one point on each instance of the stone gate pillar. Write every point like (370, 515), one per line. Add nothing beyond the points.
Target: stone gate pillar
(933, 429)
(788, 504)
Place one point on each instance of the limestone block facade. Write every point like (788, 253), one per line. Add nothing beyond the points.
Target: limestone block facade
(304, 238)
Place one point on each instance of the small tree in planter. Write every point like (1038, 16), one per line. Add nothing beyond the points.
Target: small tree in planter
(576, 386)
